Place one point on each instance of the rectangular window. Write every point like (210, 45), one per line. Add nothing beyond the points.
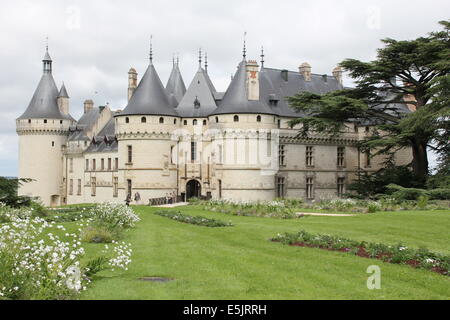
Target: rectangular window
(115, 187)
(103, 164)
(94, 165)
(368, 159)
(309, 156)
(70, 164)
(71, 187)
(109, 164)
(116, 165)
(87, 164)
(340, 187)
(93, 186)
(309, 188)
(281, 155)
(193, 151)
(129, 186)
(79, 187)
(130, 154)
(220, 155)
(341, 157)
(281, 187)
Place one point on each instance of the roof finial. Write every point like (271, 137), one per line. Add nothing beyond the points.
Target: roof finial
(206, 61)
(151, 49)
(245, 46)
(200, 57)
(46, 44)
(173, 60)
(262, 56)
(178, 59)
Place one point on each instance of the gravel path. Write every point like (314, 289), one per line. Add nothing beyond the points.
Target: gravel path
(174, 205)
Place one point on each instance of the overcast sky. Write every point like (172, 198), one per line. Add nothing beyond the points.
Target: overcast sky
(94, 43)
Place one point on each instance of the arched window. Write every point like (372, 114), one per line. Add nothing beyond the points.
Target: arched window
(279, 123)
(143, 119)
(127, 120)
(204, 122)
(60, 122)
(174, 121)
(161, 120)
(236, 118)
(258, 119)
(217, 119)
(194, 122)
(29, 120)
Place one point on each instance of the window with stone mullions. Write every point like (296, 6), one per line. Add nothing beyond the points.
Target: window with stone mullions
(282, 155)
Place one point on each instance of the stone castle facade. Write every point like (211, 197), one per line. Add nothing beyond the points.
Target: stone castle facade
(190, 142)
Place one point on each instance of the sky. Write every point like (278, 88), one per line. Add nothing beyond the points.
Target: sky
(94, 43)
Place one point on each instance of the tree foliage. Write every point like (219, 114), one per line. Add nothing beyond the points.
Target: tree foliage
(8, 192)
(407, 74)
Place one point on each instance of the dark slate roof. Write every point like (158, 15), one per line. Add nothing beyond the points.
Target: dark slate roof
(199, 98)
(63, 92)
(86, 122)
(43, 104)
(235, 99)
(175, 85)
(274, 87)
(106, 140)
(150, 97)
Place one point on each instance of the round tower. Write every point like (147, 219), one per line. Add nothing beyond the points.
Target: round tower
(245, 144)
(43, 131)
(144, 131)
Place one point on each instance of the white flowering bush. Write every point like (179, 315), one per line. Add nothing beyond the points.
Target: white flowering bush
(37, 264)
(113, 215)
(8, 214)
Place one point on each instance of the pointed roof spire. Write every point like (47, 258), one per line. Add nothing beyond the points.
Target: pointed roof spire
(151, 49)
(244, 51)
(63, 92)
(175, 85)
(262, 57)
(47, 55)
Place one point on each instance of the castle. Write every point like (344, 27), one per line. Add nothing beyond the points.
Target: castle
(194, 142)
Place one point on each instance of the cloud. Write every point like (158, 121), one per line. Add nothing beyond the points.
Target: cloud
(94, 43)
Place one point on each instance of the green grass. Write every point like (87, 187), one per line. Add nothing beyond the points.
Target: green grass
(240, 263)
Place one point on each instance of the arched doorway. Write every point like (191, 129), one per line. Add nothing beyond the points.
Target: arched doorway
(193, 189)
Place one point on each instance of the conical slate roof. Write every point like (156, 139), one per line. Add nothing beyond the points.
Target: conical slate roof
(44, 104)
(175, 85)
(63, 92)
(199, 99)
(236, 100)
(150, 97)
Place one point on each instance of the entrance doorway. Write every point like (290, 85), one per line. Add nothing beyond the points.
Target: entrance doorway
(193, 189)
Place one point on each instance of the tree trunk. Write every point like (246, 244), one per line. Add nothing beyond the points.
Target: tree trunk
(420, 160)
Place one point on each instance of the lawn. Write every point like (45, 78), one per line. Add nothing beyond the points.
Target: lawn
(240, 263)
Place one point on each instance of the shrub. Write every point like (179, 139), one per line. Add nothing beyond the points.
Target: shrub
(36, 264)
(439, 194)
(401, 193)
(196, 220)
(113, 216)
(97, 234)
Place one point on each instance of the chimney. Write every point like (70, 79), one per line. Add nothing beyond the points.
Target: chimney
(305, 71)
(325, 78)
(337, 73)
(252, 68)
(132, 82)
(284, 75)
(88, 105)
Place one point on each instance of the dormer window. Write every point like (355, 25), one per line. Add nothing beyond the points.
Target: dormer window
(127, 120)
(196, 103)
(143, 120)
(236, 118)
(161, 120)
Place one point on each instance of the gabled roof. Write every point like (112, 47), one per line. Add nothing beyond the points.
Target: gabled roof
(105, 141)
(43, 104)
(274, 87)
(86, 123)
(236, 100)
(150, 97)
(199, 98)
(175, 84)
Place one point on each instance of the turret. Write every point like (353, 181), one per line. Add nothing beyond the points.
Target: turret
(337, 73)
(63, 100)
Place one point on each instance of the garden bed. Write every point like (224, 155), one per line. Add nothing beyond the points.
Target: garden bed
(398, 254)
(195, 220)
